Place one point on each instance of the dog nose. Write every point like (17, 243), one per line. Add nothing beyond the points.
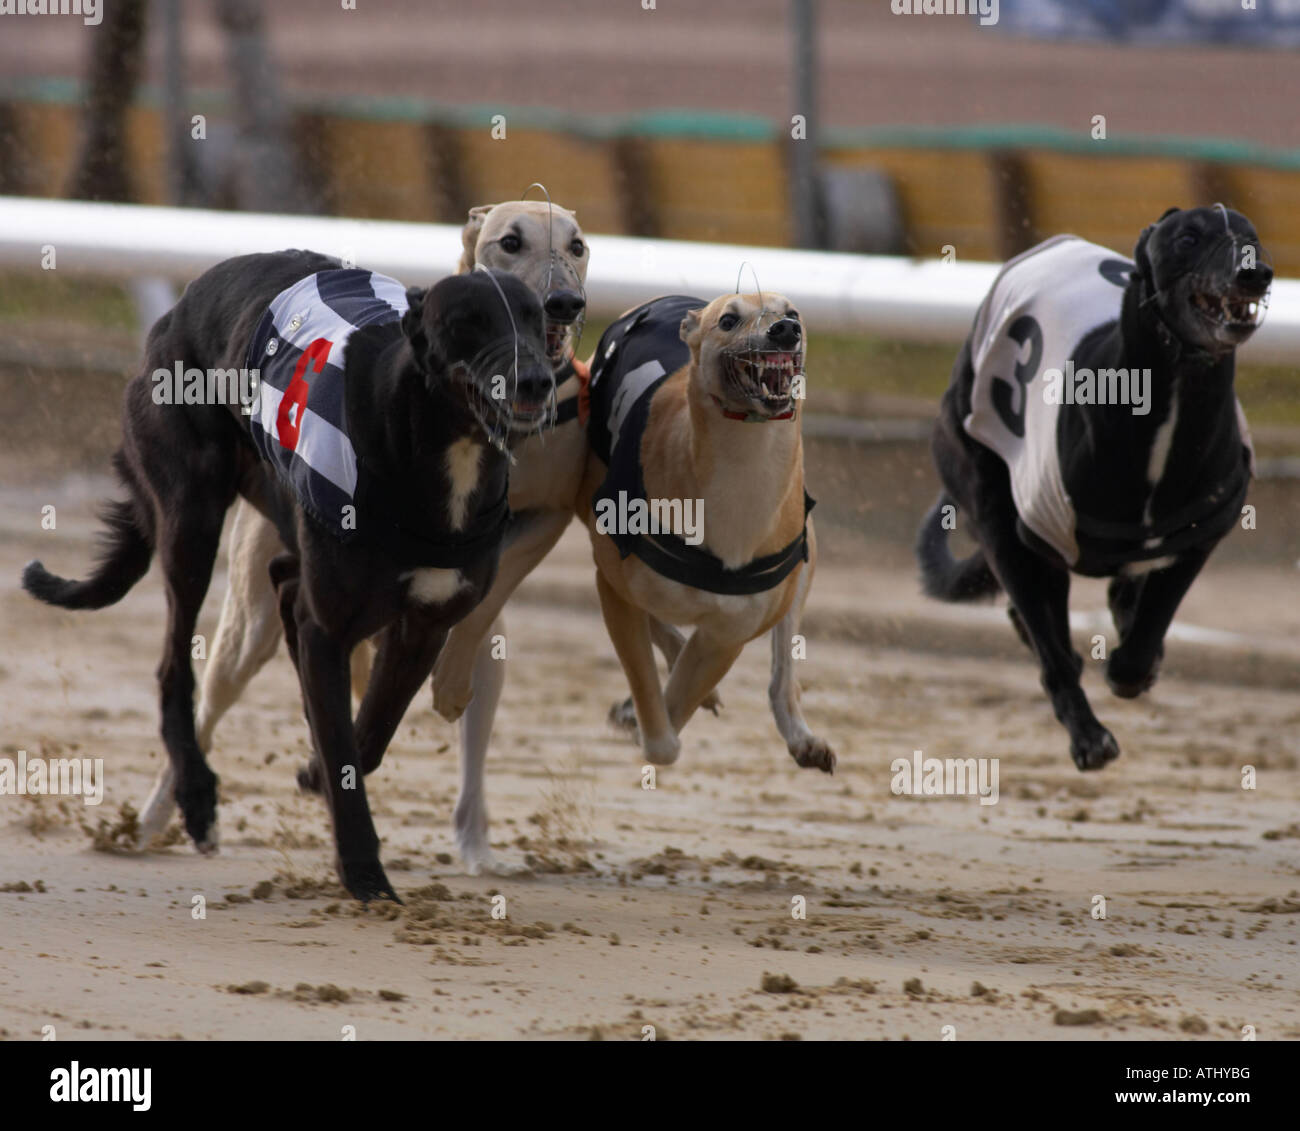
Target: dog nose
(785, 333)
(534, 385)
(1255, 278)
(564, 306)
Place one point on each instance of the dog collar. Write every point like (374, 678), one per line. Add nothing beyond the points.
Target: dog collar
(750, 417)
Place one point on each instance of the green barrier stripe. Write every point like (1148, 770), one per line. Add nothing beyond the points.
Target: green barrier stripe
(703, 125)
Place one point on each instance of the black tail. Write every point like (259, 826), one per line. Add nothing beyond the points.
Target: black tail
(126, 549)
(942, 576)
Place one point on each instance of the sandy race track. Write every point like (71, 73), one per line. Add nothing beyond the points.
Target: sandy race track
(671, 907)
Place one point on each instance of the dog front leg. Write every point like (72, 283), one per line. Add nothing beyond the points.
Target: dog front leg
(670, 642)
(1041, 596)
(531, 537)
(699, 668)
(323, 669)
(783, 691)
(629, 632)
(1133, 667)
(403, 661)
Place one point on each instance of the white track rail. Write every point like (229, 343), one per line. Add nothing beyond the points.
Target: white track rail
(902, 299)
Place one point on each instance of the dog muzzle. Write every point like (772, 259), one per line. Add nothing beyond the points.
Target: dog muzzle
(509, 387)
(765, 376)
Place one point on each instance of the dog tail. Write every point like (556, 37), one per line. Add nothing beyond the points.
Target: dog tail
(126, 547)
(942, 576)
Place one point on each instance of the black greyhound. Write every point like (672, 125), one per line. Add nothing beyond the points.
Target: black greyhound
(379, 452)
(1139, 491)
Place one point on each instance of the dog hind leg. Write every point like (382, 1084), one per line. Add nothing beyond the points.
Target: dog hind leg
(187, 551)
(247, 635)
(471, 816)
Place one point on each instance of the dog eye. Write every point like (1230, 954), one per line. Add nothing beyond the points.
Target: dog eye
(511, 243)
(793, 314)
(577, 248)
(1188, 239)
(728, 321)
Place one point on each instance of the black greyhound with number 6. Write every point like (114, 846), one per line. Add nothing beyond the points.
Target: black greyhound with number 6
(376, 444)
(1092, 427)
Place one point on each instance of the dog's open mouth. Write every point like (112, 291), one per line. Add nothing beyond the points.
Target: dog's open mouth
(1234, 311)
(562, 341)
(765, 376)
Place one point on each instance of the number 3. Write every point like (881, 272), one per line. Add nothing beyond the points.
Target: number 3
(1004, 393)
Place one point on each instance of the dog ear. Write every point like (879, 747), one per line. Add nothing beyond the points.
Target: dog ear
(1140, 256)
(690, 324)
(469, 236)
(413, 325)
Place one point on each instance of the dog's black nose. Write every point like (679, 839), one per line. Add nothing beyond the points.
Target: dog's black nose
(785, 333)
(564, 306)
(1255, 278)
(534, 385)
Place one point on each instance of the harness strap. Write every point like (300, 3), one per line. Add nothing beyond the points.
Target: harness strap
(671, 557)
(576, 407)
(1118, 544)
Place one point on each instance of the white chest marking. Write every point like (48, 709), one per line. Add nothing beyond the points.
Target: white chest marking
(1160, 451)
(432, 586)
(463, 459)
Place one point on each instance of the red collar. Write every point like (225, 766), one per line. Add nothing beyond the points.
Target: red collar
(750, 417)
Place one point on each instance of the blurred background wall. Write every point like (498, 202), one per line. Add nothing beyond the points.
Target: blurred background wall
(676, 121)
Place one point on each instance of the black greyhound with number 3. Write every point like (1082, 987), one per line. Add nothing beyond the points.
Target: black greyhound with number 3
(1092, 427)
(376, 446)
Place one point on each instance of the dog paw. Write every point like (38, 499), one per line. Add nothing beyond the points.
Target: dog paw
(311, 779)
(662, 751)
(156, 814)
(484, 862)
(365, 880)
(197, 799)
(1125, 682)
(812, 753)
(452, 695)
(1094, 752)
(622, 716)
